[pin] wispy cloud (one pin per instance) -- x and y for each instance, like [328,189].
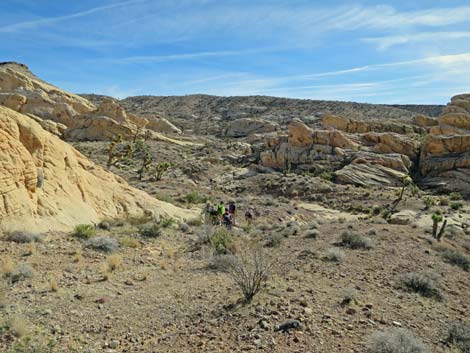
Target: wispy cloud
[185,56]
[51,20]
[386,42]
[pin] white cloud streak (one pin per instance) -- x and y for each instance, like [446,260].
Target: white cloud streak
[51,20]
[386,42]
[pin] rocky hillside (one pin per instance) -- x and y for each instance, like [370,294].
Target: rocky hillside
[186,110]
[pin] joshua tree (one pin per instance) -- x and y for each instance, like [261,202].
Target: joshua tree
[436,219]
[112,155]
[160,169]
[146,162]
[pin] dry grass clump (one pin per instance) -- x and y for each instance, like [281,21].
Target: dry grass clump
[53,284]
[395,341]
[114,262]
[18,326]
[7,266]
[150,230]
[129,242]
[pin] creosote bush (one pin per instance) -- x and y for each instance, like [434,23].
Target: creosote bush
[150,230]
[102,243]
[422,284]
[84,231]
[24,237]
[355,241]
[395,341]
[249,269]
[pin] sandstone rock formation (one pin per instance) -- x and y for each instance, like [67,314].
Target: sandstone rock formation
[162,125]
[46,184]
[247,126]
[445,154]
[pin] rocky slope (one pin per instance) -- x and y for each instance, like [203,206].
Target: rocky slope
[45,184]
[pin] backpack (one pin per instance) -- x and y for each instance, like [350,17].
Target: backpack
[231,208]
[227,219]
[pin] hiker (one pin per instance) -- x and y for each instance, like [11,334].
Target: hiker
[231,210]
[220,210]
[227,219]
[249,215]
[210,214]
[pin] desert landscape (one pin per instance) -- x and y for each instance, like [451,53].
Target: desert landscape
[358,238]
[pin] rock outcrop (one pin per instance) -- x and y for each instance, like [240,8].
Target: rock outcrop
[45,184]
[246,126]
[445,154]
[162,125]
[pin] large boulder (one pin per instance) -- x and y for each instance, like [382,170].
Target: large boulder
[388,142]
[162,125]
[99,128]
[45,184]
[445,153]
[368,175]
[112,109]
[246,126]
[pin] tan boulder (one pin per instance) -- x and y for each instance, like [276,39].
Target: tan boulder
[368,175]
[458,120]
[46,184]
[388,142]
[112,109]
[425,121]
[138,121]
[300,134]
[441,145]
[162,125]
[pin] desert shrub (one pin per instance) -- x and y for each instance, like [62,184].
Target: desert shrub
[114,262]
[194,197]
[456,258]
[203,237]
[139,220]
[21,272]
[274,240]
[102,243]
[221,241]
[311,234]
[24,237]
[166,222]
[104,225]
[455,196]
[129,242]
[355,241]
[456,205]
[54,285]
[249,269]
[335,255]
[395,341]
[422,284]
[195,222]
[329,176]
[165,198]
[150,231]
[84,231]
[376,210]
[459,335]
[443,201]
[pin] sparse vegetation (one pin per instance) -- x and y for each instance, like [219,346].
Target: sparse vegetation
[455,196]
[249,269]
[84,231]
[335,255]
[395,341]
[221,241]
[150,230]
[24,237]
[456,258]
[456,205]
[21,272]
[353,240]
[166,222]
[422,284]
[194,197]
[102,243]
[129,242]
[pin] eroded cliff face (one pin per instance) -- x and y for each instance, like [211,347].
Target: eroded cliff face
[374,153]
[45,184]
[445,153]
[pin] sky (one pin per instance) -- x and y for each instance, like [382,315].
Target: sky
[393,52]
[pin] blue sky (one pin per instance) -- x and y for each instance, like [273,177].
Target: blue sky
[367,51]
